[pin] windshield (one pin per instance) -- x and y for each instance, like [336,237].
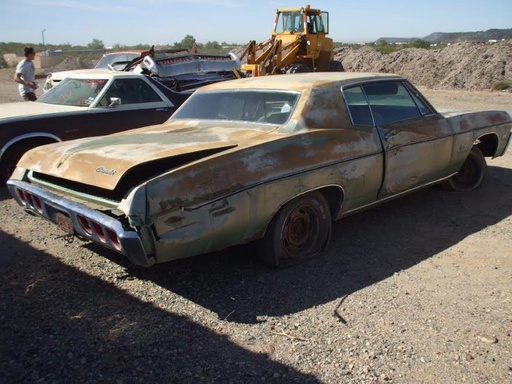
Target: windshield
[75,92]
[273,107]
[116,59]
[290,21]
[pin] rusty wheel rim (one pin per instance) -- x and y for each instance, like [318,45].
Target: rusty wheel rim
[300,231]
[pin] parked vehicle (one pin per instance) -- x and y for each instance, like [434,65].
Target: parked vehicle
[177,67]
[111,60]
[270,159]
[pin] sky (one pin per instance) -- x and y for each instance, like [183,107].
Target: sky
[160,22]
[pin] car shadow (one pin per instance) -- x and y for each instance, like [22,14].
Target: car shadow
[4,193]
[58,324]
[366,248]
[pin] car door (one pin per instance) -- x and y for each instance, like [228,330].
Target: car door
[140,105]
[417,141]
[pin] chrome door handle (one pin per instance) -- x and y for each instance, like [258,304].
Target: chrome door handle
[390,135]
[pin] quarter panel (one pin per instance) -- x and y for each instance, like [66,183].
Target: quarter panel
[231,198]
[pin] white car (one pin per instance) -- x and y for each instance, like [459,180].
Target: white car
[109,61]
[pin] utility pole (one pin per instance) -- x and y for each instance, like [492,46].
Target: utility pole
[44,47]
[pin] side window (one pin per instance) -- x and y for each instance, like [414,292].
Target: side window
[358,106]
[132,91]
[424,108]
[390,102]
[147,94]
[322,21]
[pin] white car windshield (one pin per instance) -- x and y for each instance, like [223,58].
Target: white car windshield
[273,107]
[74,92]
[116,59]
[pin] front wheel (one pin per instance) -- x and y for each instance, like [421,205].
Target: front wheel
[297,68]
[10,159]
[300,230]
[471,174]
[336,66]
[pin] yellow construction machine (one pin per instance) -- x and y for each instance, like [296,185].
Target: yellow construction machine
[299,43]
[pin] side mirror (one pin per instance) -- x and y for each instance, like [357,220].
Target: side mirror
[114,101]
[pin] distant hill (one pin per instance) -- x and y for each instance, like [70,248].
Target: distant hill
[394,40]
[455,37]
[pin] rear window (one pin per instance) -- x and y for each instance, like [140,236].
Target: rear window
[272,107]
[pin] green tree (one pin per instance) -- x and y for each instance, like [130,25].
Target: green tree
[187,42]
[119,47]
[212,46]
[420,44]
[96,44]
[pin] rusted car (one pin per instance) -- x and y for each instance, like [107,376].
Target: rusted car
[269,159]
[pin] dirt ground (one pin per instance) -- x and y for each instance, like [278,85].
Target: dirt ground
[415,291]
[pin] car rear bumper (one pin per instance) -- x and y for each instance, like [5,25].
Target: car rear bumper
[77,219]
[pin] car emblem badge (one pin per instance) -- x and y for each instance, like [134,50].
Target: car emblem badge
[106,171]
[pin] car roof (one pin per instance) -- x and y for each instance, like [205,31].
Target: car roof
[124,52]
[101,73]
[301,81]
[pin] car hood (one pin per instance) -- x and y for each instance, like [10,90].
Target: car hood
[103,161]
[26,111]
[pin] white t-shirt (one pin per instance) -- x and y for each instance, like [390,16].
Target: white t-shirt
[28,73]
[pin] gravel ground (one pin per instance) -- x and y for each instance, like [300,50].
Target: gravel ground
[415,291]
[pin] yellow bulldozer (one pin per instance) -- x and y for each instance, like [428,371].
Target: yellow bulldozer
[299,43]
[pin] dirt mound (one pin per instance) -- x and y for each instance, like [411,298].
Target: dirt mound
[467,65]
[72,63]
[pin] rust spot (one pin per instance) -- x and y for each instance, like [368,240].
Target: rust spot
[174,220]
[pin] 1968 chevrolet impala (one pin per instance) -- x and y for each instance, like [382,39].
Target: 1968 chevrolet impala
[275,159]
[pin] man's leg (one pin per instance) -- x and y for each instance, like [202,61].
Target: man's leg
[30,96]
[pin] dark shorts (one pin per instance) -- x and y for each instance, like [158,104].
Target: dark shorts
[30,96]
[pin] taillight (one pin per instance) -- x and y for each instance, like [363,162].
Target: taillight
[84,223]
[114,238]
[37,203]
[22,196]
[99,231]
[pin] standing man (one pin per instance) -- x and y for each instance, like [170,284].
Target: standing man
[26,75]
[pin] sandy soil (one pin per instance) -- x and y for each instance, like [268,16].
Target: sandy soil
[415,291]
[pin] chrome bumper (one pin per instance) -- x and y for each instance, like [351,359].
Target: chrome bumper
[77,219]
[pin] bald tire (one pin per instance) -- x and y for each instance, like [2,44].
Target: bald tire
[470,175]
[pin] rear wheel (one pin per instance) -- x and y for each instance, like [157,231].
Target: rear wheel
[300,230]
[471,174]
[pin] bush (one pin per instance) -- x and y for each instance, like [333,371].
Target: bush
[501,85]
